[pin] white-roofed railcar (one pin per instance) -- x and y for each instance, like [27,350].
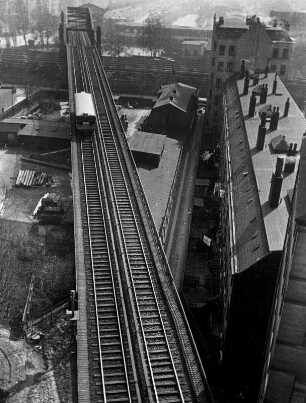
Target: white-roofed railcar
[85,114]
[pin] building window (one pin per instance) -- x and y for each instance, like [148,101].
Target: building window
[275,53]
[285,53]
[220,66]
[218,82]
[213,62]
[230,66]
[282,70]
[273,68]
[231,50]
[210,93]
[222,50]
[215,46]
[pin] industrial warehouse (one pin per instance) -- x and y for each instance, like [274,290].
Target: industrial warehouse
[151,204]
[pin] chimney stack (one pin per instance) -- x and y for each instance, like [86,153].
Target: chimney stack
[246,86]
[290,159]
[274,84]
[263,94]
[242,68]
[261,138]
[266,71]
[252,105]
[294,151]
[274,119]
[263,119]
[287,105]
[276,183]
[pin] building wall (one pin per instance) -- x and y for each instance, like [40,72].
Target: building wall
[254,46]
[249,314]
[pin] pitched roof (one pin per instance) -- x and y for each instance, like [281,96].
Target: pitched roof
[230,32]
[176,94]
[251,240]
[279,35]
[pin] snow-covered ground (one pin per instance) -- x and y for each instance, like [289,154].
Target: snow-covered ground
[19,40]
[189,20]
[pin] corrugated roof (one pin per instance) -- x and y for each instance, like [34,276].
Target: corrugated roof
[149,143]
[251,239]
[176,94]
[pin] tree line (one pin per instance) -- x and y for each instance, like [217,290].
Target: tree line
[15,20]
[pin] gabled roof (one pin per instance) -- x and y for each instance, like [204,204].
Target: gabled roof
[279,35]
[176,94]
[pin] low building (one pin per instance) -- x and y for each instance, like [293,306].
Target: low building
[147,148]
[38,133]
[174,110]
[193,49]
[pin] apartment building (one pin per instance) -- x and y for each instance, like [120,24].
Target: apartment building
[260,140]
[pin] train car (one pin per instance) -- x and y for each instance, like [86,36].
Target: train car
[85,114]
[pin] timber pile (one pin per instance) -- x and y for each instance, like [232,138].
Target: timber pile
[30,178]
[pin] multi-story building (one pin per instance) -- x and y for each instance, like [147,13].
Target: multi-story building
[254,47]
[284,376]
[260,138]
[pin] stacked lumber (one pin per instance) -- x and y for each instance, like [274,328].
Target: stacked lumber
[30,178]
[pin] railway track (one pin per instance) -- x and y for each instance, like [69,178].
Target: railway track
[137,354]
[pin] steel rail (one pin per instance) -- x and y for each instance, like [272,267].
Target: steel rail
[132,275]
[98,311]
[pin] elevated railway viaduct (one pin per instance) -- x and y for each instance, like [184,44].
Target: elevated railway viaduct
[134,343]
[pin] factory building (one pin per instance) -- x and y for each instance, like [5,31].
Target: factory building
[260,141]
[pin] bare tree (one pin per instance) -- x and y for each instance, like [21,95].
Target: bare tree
[21,20]
[45,22]
[151,37]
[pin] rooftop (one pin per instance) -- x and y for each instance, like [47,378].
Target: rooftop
[264,162]
[288,371]
[150,143]
[279,35]
[176,94]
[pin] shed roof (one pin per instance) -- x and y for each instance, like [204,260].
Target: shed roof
[33,128]
[177,95]
[149,143]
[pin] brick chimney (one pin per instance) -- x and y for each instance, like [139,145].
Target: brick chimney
[252,104]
